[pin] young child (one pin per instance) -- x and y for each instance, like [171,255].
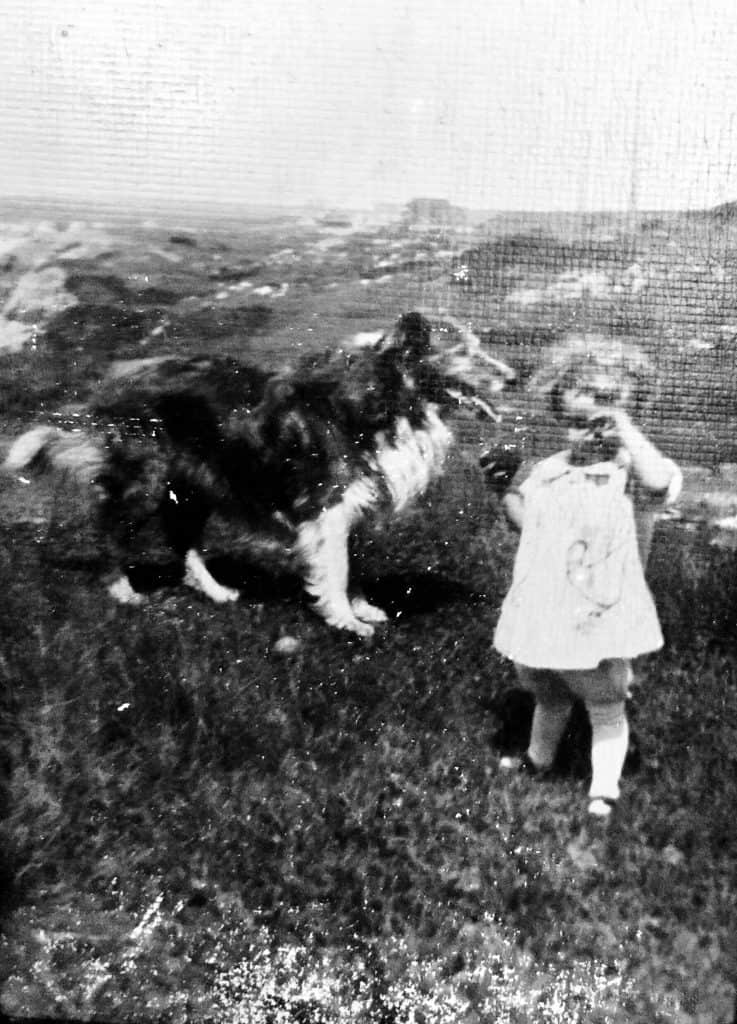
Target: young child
[579,608]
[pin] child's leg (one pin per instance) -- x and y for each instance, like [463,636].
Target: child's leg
[553,704]
[603,691]
[609,739]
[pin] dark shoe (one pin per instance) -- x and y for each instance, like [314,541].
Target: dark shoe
[499,466]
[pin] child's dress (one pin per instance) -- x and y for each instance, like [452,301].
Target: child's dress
[578,591]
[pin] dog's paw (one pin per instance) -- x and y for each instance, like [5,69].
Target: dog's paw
[198,576]
[122,592]
[350,623]
[215,591]
[367,612]
[360,628]
[221,595]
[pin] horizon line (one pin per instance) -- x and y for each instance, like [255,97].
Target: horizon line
[136,205]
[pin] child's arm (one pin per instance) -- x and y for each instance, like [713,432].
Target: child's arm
[513,505]
[654,471]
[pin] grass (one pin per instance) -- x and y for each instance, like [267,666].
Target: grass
[327,833]
[200,828]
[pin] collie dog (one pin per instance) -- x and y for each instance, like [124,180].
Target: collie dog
[296,458]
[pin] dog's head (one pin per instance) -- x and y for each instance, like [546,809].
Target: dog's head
[444,362]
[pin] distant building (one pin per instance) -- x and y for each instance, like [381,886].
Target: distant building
[427,212]
[335,219]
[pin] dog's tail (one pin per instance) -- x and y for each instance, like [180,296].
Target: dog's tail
[48,448]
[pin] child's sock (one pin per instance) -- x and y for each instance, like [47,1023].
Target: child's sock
[609,738]
[548,725]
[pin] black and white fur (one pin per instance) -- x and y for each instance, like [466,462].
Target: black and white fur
[297,459]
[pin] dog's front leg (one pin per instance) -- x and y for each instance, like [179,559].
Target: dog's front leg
[322,550]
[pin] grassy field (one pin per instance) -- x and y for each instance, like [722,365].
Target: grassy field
[200,828]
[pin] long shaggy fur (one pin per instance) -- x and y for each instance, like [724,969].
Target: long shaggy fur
[297,458]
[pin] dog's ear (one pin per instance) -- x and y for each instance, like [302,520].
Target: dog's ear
[277,391]
[410,336]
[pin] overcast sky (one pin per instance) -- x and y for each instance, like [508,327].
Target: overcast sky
[521,104]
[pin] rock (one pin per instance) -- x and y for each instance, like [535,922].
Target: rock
[40,293]
[14,334]
[287,646]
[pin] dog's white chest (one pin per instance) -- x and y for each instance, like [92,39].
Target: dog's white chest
[413,459]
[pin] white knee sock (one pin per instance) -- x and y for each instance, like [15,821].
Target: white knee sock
[548,725]
[609,739]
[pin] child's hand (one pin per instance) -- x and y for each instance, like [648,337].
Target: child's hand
[654,471]
[499,467]
[675,487]
[619,417]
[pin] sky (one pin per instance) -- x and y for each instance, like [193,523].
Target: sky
[521,104]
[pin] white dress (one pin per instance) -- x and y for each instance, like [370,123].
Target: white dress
[578,592]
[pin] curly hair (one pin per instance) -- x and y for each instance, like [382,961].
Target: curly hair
[615,369]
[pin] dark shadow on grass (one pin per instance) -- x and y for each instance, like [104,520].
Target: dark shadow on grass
[400,594]
[404,594]
[254,582]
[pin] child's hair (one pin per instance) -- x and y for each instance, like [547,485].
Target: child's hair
[614,369]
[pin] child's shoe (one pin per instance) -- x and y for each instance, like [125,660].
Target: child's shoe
[523,764]
[601,807]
